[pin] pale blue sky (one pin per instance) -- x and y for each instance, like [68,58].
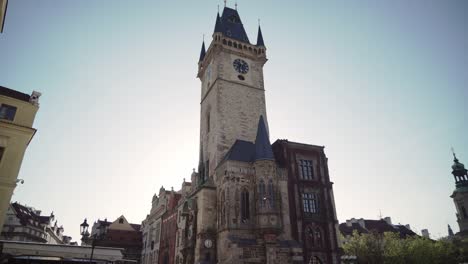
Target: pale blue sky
[382,84]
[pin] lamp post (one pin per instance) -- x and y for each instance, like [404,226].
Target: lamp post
[86,236]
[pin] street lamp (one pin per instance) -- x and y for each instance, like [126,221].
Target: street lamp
[86,236]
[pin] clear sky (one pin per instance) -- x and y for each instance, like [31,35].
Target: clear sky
[381,84]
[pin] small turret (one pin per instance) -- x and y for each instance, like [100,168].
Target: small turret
[218,28]
[202,52]
[459,173]
[260,42]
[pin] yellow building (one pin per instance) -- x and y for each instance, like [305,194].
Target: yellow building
[17,112]
[3,9]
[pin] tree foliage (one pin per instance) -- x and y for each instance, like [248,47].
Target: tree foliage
[389,248]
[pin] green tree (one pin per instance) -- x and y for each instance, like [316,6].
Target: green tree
[389,248]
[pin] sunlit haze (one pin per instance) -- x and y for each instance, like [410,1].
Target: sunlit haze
[381,84]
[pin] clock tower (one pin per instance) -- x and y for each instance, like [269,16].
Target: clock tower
[232,90]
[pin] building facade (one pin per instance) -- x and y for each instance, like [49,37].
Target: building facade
[151,227]
[247,203]
[3,9]
[460,195]
[117,234]
[17,113]
[380,226]
[311,201]
[26,224]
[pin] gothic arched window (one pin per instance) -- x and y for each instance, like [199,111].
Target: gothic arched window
[245,206]
[318,237]
[271,194]
[315,260]
[261,193]
[223,209]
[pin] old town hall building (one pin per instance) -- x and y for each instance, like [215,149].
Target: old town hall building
[250,201]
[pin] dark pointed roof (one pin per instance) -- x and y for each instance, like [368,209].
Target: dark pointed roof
[247,151]
[260,37]
[263,150]
[218,27]
[202,52]
[230,25]
[241,151]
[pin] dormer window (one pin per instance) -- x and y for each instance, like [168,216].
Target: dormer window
[121,221]
[234,19]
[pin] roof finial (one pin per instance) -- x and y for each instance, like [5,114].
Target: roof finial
[225,3]
[453,153]
[380,214]
[218,8]
[203,37]
[236,5]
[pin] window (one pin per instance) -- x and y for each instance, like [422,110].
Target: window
[261,193]
[315,260]
[208,125]
[245,206]
[207,170]
[121,221]
[2,151]
[223,210]
[310,203]
[306,170]
[271,194]
[7,112]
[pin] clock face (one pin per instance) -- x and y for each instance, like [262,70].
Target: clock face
[208,243]
[241,66]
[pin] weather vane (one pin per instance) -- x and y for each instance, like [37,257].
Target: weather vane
[453,153]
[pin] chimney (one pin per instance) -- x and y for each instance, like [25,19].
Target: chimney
[388,220]
[425,233]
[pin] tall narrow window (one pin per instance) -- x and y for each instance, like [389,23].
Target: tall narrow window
[271,194]
[2,150]
[306,170]
[245,206]
[7,112]
[207,170]
[222,206]
[310,203]
[318,237]
[261,193]
[208,124]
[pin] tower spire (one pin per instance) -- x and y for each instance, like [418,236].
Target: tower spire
[263,150]
[260,41]
[203,50]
